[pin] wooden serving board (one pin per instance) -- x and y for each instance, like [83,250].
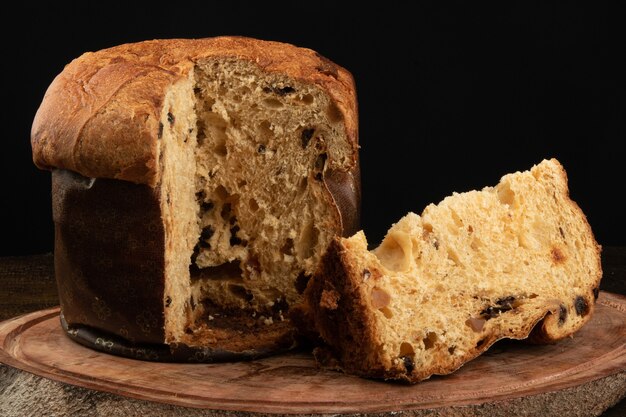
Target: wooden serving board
[579,376]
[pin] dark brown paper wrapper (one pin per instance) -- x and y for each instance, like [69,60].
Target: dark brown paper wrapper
[109,255]
[109,343]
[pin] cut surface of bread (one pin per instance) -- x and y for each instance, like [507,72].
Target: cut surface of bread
[509,261]
[244,194]
[250,148]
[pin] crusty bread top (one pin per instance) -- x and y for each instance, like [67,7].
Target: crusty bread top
[100,116]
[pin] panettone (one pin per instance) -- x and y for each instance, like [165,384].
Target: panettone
[196,184]
[510,261]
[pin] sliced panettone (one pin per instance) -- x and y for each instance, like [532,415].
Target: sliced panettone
[444,286]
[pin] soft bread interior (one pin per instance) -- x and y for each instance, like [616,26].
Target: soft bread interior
[477,267]
[246,210]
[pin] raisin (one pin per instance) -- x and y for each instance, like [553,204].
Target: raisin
[301,282]
[581,306]
[261,149]
[194,255]
[170,118]
[280,91]
[234,240]
[160,134]
[207,233]
[503,305]
[505,300]
[226,208]
[596,292]
[492,311]
[488,313]
[168,301]
[409,365]
[284,91]
[306,136]
[287,247]
[562,314]
[495,311]
[207,205]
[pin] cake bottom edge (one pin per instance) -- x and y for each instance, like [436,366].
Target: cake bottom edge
[106,342]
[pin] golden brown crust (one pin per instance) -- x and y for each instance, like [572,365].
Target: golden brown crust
[100,116]
[348,329]
[545,330]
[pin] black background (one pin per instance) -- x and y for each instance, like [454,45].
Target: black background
[451,97]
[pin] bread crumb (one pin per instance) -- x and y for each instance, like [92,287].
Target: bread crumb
[329,299]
